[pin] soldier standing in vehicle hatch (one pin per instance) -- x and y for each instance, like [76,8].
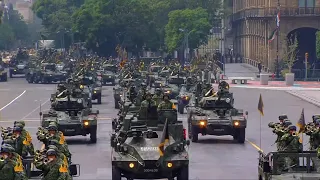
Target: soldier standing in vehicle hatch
[157,97]
[166,103]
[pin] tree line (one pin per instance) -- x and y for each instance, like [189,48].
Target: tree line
[157,25]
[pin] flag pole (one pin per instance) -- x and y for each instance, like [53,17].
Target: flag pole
[260,131]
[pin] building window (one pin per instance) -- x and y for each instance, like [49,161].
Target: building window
[306,3]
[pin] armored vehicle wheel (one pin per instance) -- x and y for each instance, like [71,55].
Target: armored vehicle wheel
[194,135]
[181,109]
[183,174]
[99,99]
[240,135]
[116,174]
[116,105]
[93,134]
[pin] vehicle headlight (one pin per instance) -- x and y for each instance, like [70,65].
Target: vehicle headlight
[94,92]
[203,123]
[86,123]
[131,165]
[79,101]
[236,123]
[90,78]
[228,100]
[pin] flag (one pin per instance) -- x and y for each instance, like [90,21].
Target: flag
[164,138]
[273,35]
[301,122]
[260,106]
[278,19]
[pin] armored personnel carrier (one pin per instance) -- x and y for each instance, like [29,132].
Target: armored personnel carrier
[150,148]
[216,115]
[288,165]
[3,74]
[109,74]
[72,115]
[94,87]
[46,73]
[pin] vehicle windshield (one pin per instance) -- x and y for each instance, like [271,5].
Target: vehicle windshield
[50,67]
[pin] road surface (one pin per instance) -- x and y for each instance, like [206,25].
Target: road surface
[211,158]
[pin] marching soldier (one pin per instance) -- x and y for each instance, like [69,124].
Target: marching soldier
[26,135]
[55,134]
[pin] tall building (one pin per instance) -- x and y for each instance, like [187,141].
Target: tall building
[254,21]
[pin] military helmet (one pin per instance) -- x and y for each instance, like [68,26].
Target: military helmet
[292,128]
[223,85]
[22,123]
[315,117]
[52,127]
[287,123]
[158,89]
[7,148]
[51,152]
[317,122]
[17,128]
[283,117]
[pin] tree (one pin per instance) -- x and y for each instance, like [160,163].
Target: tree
[6,36]
[318,44]
[194,23]
[290,51]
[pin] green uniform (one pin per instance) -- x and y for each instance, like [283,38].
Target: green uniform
[290,143]
[54,170]
[165,105]
[21,145]
[157,98]
[29,146]
[314,139]
[10,170]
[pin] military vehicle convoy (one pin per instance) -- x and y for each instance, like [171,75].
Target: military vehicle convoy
[109,74]
[72,115]
[150,147]
[94,87]
[45,74]
[215,115]
[3,74]
[17,69]
[288,165]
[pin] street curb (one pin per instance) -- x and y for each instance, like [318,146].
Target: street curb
[304,98]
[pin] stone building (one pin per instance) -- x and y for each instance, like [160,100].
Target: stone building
[254,21]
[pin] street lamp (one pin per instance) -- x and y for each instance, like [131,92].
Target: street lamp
[186,41]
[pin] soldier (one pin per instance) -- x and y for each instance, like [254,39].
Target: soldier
[25,134]
[280,130]
[166,103]
[63,148]
[314,133]
[55,134]
[11,167]
[21,142]
[55,168]
[157,97]
[290,142]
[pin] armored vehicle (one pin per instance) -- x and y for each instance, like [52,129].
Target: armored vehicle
[109,74]
[47,73]
[117,93]
[3,74]
[72,116]
[288,165]
[94,87]
[150,148]
[17,68]
[215,115]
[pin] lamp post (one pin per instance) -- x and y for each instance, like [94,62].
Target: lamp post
[186,41]
[278,36]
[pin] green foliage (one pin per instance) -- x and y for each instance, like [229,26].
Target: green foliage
[6,36]
[318,44]
[193,23]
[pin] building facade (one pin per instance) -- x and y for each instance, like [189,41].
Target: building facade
[24,8]
[254,21]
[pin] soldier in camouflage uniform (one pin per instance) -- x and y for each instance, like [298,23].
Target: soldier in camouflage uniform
[157,97]
[280,128]
[55,168]
[21,142]
[290,142]
[166,103]
[55,134]
[11,167]
[26,135]
[61,148]
[314,132]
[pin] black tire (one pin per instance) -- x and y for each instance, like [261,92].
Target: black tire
[99,99]
[180,109]
[116,105]
[194,135]
[240,135]
[183,174]
[93,135]
[116,174]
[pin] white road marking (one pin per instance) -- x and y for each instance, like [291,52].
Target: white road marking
[13,100]
[35,109]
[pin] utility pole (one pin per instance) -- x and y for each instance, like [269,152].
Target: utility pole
[278,36]
[306,66]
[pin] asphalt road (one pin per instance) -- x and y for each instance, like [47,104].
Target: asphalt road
[211,158]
